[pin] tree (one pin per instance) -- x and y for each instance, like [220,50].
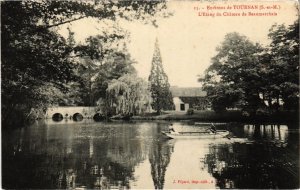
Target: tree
[251,77]
[281,60]
[30,61]
[35,55]
[95,60]
[129,94]
[115,65]
[233,79]
[94,74]
[159,85]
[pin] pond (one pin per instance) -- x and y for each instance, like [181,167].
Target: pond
[122,155]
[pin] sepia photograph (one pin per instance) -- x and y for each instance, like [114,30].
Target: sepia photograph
[150,94]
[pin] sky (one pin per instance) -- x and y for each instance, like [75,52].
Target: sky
[188,41]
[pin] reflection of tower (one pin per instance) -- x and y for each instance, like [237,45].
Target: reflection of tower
[159,158]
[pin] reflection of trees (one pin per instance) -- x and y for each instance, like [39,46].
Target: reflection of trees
[159,158]
[113,158]
[274,133]
[53,157]
[125,148]
[252,166]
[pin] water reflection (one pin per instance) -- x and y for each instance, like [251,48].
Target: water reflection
[72,156]
[159,158]
[267,167]
[269,132]
[118,155]
[267,162]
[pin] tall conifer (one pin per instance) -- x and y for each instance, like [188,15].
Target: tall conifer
[159,85]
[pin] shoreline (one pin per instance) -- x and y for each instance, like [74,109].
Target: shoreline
[228,116]
[208,116]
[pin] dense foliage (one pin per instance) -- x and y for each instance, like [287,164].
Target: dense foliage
[38,64]
[281,64]
[255,79]
[95,74]
[129,95]
[159,85]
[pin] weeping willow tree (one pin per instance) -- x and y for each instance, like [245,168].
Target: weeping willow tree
[129,95]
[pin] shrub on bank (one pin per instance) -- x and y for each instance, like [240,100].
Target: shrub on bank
[190,111]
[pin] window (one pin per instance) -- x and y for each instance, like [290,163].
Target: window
[182,108]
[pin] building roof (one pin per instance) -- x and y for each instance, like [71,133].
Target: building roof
[187,91]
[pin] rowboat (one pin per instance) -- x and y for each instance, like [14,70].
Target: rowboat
[196,135]
[202,123]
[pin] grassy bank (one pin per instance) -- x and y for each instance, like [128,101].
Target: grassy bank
[227,116]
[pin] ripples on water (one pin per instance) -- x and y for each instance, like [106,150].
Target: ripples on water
[90,155]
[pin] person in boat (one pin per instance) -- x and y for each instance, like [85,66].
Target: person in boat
[213,128]
[171,129]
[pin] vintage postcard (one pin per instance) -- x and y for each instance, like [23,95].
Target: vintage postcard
[140,94]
